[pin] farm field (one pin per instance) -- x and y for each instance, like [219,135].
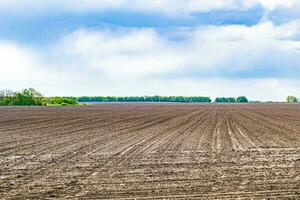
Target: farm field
[163,151]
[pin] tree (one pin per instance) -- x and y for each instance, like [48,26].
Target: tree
[62,100]
[182,99]
[223,100]
[231,100]
[6,97]
[25,97]
[242,99]
[220,100]
[28,97]
[6,93]
[291,99]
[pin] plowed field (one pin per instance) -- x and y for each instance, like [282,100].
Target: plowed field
[163,151]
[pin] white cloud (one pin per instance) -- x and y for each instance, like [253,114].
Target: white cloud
[23,67]
[273,4]
[128,53]
[16,62]
[144,52]
[137,61]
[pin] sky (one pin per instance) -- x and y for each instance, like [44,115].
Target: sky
[152,47]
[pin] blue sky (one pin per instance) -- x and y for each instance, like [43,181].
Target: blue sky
[164,47]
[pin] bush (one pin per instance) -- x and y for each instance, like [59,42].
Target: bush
[242,99]
[183,99]
[62,101]
[26,97]
[291,99]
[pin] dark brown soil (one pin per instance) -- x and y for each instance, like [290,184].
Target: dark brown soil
[162,151]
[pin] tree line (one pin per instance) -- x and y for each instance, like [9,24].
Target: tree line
[241,99]
[30,96]
[181,99]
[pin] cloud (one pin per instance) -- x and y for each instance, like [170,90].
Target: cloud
[123,53]
[262,50]
[16,62]
[207,60]
[273,4]
[24,67]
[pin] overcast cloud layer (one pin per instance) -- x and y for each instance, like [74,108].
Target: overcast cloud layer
[120,47]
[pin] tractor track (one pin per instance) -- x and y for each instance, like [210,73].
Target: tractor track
[150,151]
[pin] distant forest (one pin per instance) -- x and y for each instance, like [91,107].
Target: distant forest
[28,97]
[182,99]
[241,99]
[179,99]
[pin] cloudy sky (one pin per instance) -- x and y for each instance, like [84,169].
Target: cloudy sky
[148,47]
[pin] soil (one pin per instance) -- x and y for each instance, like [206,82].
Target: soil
[150,151]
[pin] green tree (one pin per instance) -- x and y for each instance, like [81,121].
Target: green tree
[6,97]
[156,98]
[62,100]
[242,99]
[25,97]
[222,100]
[291,99]
[231,100]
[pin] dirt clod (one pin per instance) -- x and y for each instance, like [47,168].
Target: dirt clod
[163,151]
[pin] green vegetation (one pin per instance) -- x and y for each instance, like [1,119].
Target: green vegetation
[241,99]
[225,100]
[26,97]
[182,99]
[60,101]
[291,99]
[31,97]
